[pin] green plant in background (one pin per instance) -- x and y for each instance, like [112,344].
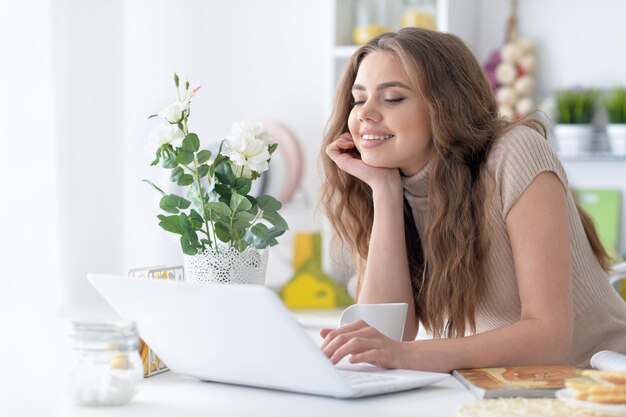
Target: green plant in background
[615,104]
[576,106]
[217,207]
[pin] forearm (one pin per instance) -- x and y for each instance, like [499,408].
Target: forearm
[527,342]
[386,278]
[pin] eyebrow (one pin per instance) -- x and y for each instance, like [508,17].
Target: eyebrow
[382,86]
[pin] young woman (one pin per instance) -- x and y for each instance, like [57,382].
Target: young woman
[465,217]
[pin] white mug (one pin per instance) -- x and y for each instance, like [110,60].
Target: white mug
[387,318]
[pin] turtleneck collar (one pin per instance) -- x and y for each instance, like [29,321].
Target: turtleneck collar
[417,184]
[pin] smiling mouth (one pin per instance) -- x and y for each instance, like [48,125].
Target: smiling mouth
[376,137]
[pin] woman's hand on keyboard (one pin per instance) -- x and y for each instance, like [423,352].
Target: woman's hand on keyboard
[365,344]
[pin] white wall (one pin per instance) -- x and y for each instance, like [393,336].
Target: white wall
[29,235]
[578,42]
[254,60]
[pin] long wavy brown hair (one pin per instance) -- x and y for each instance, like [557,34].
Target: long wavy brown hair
[447,272]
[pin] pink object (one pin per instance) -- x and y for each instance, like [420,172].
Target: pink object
[290,149]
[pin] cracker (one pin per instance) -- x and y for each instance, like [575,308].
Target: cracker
[610,376]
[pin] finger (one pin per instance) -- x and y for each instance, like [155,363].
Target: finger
[339,147]
[324,332]
[354,346]
[331,334]
[372,356]
[336,341]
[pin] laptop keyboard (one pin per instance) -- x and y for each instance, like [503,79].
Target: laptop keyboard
[360,378]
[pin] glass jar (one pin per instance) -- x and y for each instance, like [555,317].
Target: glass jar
[107,366]
[370,20]
[420,13]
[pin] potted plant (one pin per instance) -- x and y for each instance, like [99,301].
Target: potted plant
[224,231]
[576,109]
[615,104]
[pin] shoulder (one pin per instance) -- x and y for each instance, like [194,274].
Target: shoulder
[516,158]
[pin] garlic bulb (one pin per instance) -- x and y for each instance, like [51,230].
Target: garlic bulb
[505,73]
[506,96]
[514,81]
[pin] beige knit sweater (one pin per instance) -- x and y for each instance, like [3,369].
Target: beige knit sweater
[599,313]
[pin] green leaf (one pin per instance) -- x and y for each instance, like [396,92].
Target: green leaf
[276,220]
[187,246]
[203,170]
[154,186]
[170,161]
[272,148]
[195,219]
[252,201]
[171,203]
[275,232]
[191,143]
[184,180]
[152,115]
[268,203]
[203,156]
[260,230]
[224,174]
[188,230]
[170,224]
[219,208]
[176,80]
[239,203]
[184,157]
[245,216]
[243,185]
[222,231]
[176,173]
[242,245]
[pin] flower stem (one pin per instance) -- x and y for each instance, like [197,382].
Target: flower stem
[204,208]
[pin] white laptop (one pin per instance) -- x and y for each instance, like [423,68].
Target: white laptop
[241,334]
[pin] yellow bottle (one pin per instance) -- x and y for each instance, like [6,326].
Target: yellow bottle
[370,20]
[419,13]
[310,286]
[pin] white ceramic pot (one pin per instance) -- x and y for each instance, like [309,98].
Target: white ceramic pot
[617,138]
[227,266]
[574,139]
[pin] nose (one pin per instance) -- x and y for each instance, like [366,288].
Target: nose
[368,111]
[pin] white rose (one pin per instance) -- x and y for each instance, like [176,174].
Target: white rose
[166,133]
[174,113]
[247,146]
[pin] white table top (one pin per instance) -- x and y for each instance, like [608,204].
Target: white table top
[35,363]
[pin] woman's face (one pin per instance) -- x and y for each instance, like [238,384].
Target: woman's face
[389,122]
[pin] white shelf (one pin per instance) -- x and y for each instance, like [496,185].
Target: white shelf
[593,157]
[454,16]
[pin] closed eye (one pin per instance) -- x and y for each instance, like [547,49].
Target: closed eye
[394,100]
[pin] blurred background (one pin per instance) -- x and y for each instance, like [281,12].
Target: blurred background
[78,79]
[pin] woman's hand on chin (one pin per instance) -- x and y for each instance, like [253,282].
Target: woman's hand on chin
[344,153]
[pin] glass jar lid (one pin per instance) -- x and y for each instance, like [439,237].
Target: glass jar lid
[105,335]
